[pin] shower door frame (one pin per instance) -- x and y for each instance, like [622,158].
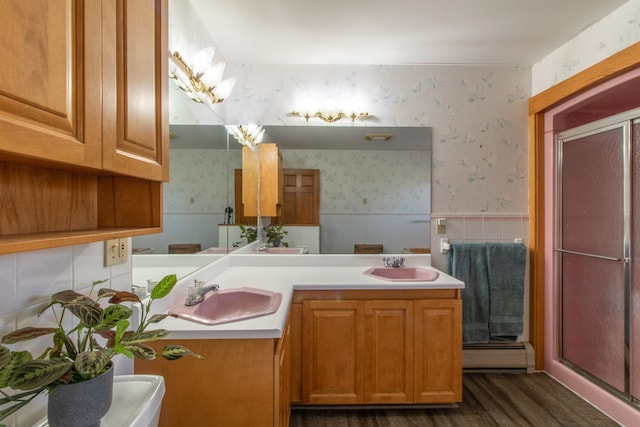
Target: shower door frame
[625,121]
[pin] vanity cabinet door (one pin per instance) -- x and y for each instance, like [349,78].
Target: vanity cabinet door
[282,380]
[333,351]
[50,81]
[437,351]
[389,351]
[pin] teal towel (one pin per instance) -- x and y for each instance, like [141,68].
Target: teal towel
[468,263]
[506,268]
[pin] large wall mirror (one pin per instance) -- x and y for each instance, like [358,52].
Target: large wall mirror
[374,187]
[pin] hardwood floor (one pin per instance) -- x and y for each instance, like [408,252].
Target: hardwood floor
[489,399]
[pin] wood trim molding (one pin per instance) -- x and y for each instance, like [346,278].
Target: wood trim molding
[615,65]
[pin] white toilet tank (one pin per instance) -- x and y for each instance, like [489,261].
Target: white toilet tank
[137,400]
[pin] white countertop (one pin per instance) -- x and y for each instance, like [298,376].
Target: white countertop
[285,274]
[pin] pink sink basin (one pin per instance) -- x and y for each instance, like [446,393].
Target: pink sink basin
[281,250]
[229,305]
[402,274]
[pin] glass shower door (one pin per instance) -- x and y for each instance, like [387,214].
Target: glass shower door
[591,252]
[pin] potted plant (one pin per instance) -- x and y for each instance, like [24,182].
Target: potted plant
[276,234]
[250,233]
[82,353]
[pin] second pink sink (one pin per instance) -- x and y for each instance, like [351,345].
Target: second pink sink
[403,274]
[230,305]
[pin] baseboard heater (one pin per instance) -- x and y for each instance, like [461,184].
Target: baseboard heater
[498,356]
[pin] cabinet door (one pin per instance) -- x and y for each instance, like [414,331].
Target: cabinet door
[333,349]
[135,82]
[437,351]
[50,90]
[295,347]
[389,352]
[282,380]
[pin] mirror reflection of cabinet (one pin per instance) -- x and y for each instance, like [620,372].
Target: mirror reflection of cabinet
[262,169]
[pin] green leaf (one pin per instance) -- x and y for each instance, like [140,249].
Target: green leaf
[89,315]
[25,334]
[164,286]
[5,356]
[113,314]
[145,336]
[89,364]
[38,373]
[156,318]
[17,358]
[175,352]
[121,330]
[141,351]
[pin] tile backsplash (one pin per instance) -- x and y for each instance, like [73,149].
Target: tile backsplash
[28,279]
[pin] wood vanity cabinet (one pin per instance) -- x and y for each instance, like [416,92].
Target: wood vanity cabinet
[378,347]
[264,166]
[240,382]
[83,121]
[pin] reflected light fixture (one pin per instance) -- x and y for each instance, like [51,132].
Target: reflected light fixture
[331,117]
[250,135]
[201,80]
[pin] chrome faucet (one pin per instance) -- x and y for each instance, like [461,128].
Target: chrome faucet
[196,293]
[265,247]
[393,261]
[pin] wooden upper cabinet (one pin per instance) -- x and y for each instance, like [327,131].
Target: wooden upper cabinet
[82,84]
[135,135]
[50,81]
[262,168]
[83,121]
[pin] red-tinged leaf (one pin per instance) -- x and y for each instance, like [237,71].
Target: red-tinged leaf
[124,296]
[106,292]
[25,334]
[71,297]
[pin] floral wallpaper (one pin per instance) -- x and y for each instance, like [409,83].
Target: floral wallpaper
[198,180]
[368,181]
[614,32]
[478,115]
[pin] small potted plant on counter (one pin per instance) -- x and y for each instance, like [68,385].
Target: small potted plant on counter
[250,233]
[79,359]
[276,234]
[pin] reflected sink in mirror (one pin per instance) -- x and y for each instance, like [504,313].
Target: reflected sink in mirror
[284,250]
[229,305]
[402,274]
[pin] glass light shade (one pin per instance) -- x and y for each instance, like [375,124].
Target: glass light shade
[223,90]
[202,61]
[213,75]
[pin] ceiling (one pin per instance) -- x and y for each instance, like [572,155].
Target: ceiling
[516,32]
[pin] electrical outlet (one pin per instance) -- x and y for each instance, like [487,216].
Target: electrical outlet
[115,251]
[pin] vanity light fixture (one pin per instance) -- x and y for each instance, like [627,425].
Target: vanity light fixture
[201,80]
[378,136]
[250,135]
[331,117]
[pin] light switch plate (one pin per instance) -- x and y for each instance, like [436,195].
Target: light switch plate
[115,251]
